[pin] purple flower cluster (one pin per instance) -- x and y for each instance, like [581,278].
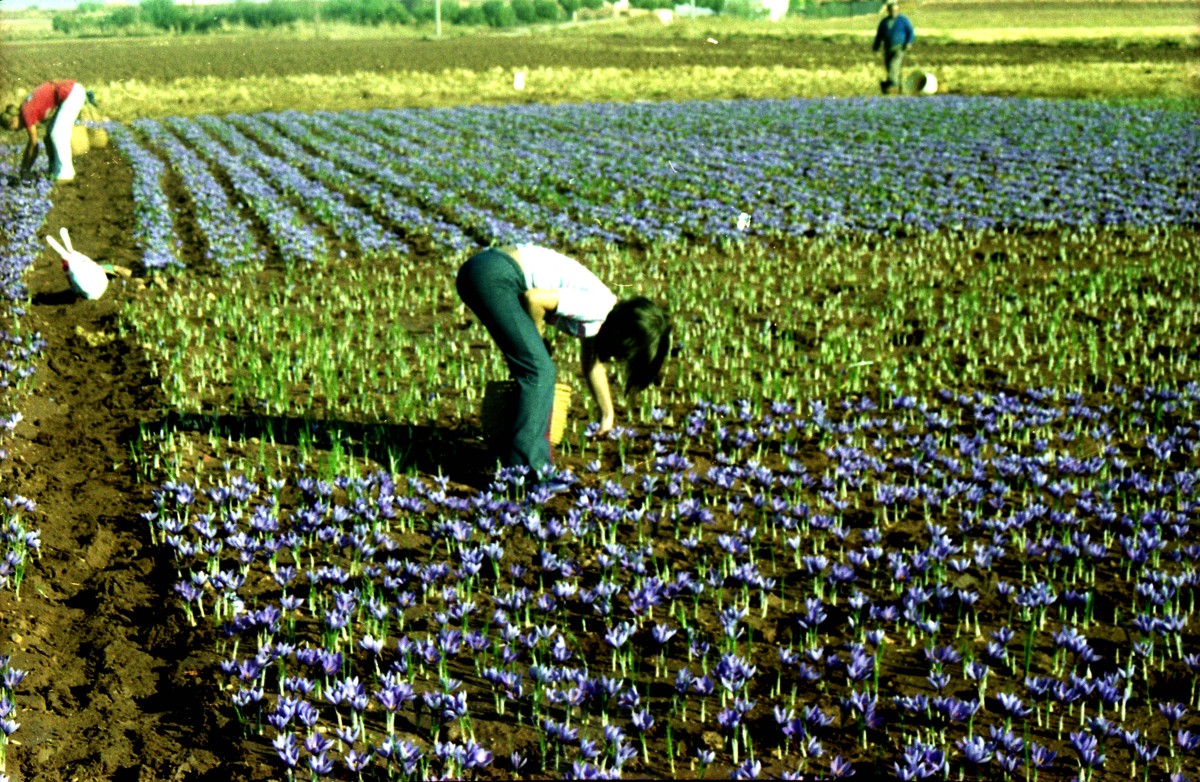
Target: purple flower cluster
[230,238]
[23,210]
[672,173]
[455,188]
[329,206]
[663,173]
[17,539]
[10,679]
[395,195]
[297,241]
[354,609]
[154,225]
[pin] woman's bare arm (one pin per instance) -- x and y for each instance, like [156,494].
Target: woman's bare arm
[31,146]
[597,379]
[537,302]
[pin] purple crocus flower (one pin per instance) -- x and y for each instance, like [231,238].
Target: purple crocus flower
[476,756]
[662,633]
[840,769]
[289,752]
[321,764]
[583,770]
[1012,705]
[1040,757]
[976,750]
[1087,747]
[356,762]
[1005,739]
[642,720]
[1187,740]
[1173,712]
[588,749]
[938,680]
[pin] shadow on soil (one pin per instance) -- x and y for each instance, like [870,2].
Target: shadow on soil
[458,455]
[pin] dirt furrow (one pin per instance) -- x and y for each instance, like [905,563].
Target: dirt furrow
[111,690]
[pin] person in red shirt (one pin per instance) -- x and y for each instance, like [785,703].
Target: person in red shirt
[63,100]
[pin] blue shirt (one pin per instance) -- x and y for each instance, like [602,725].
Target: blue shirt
[893,33]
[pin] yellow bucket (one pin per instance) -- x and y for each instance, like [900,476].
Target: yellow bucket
[499,400]
[97,137]
[80,144]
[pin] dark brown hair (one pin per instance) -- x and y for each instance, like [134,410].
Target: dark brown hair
[636,332]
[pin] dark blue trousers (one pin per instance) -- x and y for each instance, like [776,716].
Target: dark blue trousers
[491,284]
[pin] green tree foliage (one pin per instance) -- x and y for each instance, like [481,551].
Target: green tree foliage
[120,18]
[524,11]
[469,15]
[92,17]
[546,10]
[63,23]
[498,13]
[366,12]
[163,14]
[426,10]
[277,13]
[832,8]
[744,9]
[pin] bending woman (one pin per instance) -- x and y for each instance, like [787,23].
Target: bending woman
[516,291]
[65,99]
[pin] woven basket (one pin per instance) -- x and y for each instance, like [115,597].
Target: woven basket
[97,137]
[79,141]
[499,401]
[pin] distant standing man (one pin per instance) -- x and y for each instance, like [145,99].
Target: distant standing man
[65,99]
[894,36]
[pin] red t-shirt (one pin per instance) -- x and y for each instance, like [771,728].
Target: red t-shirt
[43,100]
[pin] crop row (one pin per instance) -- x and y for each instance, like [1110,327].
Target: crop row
[23,211]
[966,584]
[670,173]
[981,305]
[930,584]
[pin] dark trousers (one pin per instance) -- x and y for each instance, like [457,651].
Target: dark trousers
[491,284]
[892,58]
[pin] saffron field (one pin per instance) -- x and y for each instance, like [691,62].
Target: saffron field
[917,498]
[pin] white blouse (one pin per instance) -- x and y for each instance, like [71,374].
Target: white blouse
[583,300]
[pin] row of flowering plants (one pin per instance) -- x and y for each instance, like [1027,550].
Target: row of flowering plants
[995,580]
[665,174]
[659,173]
[967,585]
[229,237]
[947,305]
[23,210]
[154,225]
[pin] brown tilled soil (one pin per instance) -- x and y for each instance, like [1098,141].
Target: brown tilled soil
[112,690]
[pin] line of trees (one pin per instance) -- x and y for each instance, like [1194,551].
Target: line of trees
[91,17]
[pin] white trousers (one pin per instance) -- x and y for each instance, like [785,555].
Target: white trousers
[58,143]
